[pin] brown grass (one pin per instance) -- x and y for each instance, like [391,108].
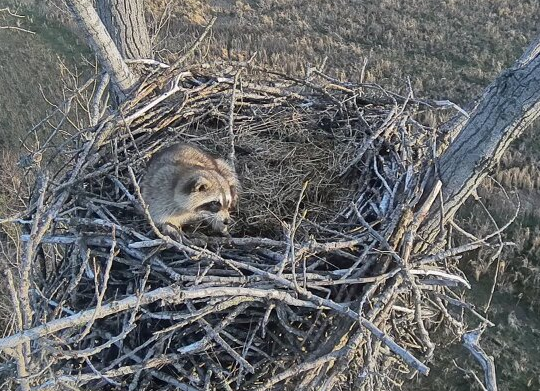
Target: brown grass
[32,65]
[448,49]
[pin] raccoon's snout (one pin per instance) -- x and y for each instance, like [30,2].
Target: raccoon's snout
[221,225]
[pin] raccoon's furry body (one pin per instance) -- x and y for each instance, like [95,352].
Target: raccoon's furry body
[184,184]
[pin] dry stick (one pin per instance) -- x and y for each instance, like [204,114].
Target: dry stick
[304,82]
[361,258]
[384,305]
[177,295]
[95,109]
[292,232]
[441,256]
[18,353]
[171,294]
[230,128]
[213,334]
[417,296]
[416,291]
[470,372]
[343,362]
[461,304]
[471,342]
[147,61]
[172,381]
[59,109]
[394,113]
[101,295]
[26,269]
[377,236]
[468,235]
[203,343]
[406,356]
[498,233]
[69,178]
[123,371]
[131,324]
[190,51]
[443,275]
[305,366]
[28,256]
[493,257]
[98,373]
[245,241]
[175,87]
[417,220]
[403,353]
[97,349]
[459,326]
[224,380]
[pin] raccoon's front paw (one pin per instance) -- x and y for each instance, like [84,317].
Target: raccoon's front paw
[173,232]
[221,227]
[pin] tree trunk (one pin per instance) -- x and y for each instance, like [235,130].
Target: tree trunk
[125,22]
[97,37]
[508,106]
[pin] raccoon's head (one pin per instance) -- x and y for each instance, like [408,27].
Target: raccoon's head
[207,196]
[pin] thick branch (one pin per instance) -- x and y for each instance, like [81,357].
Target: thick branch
[170,294]
[508,106]
[108,54]
[127,27]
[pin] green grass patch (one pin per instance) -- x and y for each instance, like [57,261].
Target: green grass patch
[31,71]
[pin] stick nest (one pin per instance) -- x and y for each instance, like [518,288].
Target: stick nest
[325,283]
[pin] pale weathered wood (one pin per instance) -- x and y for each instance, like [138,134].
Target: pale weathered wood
[125,22]
[508,106]
[105,49]
[171,294]
[471,341]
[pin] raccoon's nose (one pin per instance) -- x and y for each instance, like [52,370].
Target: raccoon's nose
[226,221]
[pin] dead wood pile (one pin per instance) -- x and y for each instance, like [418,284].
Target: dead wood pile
[325,283]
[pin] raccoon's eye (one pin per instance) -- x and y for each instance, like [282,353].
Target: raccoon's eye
[212,206]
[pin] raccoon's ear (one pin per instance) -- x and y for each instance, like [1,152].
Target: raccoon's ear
[197,184]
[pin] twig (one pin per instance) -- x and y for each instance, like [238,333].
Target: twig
[21,352]
[95,109]
[170,294]
[195,45]
[230,127]
[471,342]
[101,295]
[172,381]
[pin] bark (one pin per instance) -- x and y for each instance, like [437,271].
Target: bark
[125,22]
[508,106]
[109,56]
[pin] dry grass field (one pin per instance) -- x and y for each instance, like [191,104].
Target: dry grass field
[448,50]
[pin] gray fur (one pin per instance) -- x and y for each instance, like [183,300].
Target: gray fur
[181,179]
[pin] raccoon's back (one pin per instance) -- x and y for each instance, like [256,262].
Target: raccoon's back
[182,155]
[158,191]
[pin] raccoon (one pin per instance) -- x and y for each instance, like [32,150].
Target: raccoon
[184,184]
